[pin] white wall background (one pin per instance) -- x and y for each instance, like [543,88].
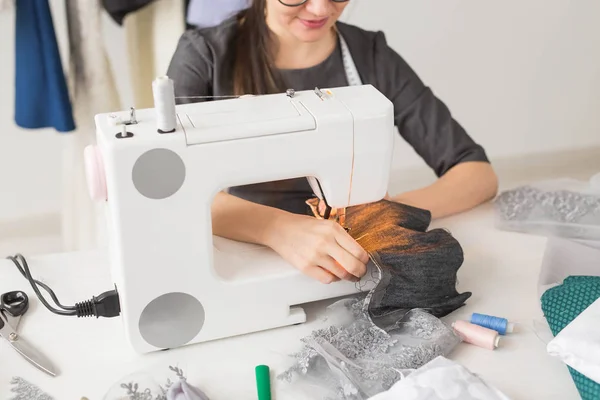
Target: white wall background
[25,156]
[522,77]
[31,160]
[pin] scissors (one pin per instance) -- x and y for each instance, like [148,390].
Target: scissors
[13,305]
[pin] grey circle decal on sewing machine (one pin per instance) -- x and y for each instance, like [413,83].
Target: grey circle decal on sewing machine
[158,173]
[171,320]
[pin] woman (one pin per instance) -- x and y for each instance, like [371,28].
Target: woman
[280,44]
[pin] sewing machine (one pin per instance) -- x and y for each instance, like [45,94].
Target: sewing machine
[178,283]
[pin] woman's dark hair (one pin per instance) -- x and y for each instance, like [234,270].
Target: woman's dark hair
[253,71]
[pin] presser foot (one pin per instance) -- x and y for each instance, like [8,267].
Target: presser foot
[321,210]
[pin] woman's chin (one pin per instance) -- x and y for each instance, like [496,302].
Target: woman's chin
[311,35]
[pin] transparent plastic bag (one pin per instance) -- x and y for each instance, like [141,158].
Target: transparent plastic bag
[145,386]
[567,257]
[355,359]
[561,207]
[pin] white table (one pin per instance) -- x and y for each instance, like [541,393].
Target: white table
[500,268]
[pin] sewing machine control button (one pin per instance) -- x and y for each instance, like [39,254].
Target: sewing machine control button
[95,175]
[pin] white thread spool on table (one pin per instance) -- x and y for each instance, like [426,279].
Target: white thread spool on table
[164,104]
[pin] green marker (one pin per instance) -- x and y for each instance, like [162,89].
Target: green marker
[263,382]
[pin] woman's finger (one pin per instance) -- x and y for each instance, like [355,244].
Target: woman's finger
[347,242]
[321,207]
[328,263]
[320,274]
[350,263]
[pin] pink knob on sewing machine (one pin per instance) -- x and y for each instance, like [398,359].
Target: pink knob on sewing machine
[94,169]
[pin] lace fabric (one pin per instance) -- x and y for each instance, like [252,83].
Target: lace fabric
[374,339]
[137,386]
[355,358]
[25,390]
[141,386]
[564,208]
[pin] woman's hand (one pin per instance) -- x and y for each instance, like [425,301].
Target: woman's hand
[321,249]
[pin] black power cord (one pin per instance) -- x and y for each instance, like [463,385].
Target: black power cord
[105,305]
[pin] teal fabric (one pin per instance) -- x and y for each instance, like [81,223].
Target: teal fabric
[561,305]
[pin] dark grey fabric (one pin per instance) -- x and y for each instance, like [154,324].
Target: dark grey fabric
[203,63]
[419,267]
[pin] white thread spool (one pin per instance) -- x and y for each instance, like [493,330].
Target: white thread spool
[164,104]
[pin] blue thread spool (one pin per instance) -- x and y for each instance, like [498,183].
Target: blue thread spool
[500,325]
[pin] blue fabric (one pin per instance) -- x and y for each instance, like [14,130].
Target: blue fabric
[41,94]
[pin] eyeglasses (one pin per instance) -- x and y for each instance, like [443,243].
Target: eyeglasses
[296,3]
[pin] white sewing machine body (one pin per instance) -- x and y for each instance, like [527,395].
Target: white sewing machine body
[177,283]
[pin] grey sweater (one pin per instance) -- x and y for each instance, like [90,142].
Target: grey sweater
[202,65]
